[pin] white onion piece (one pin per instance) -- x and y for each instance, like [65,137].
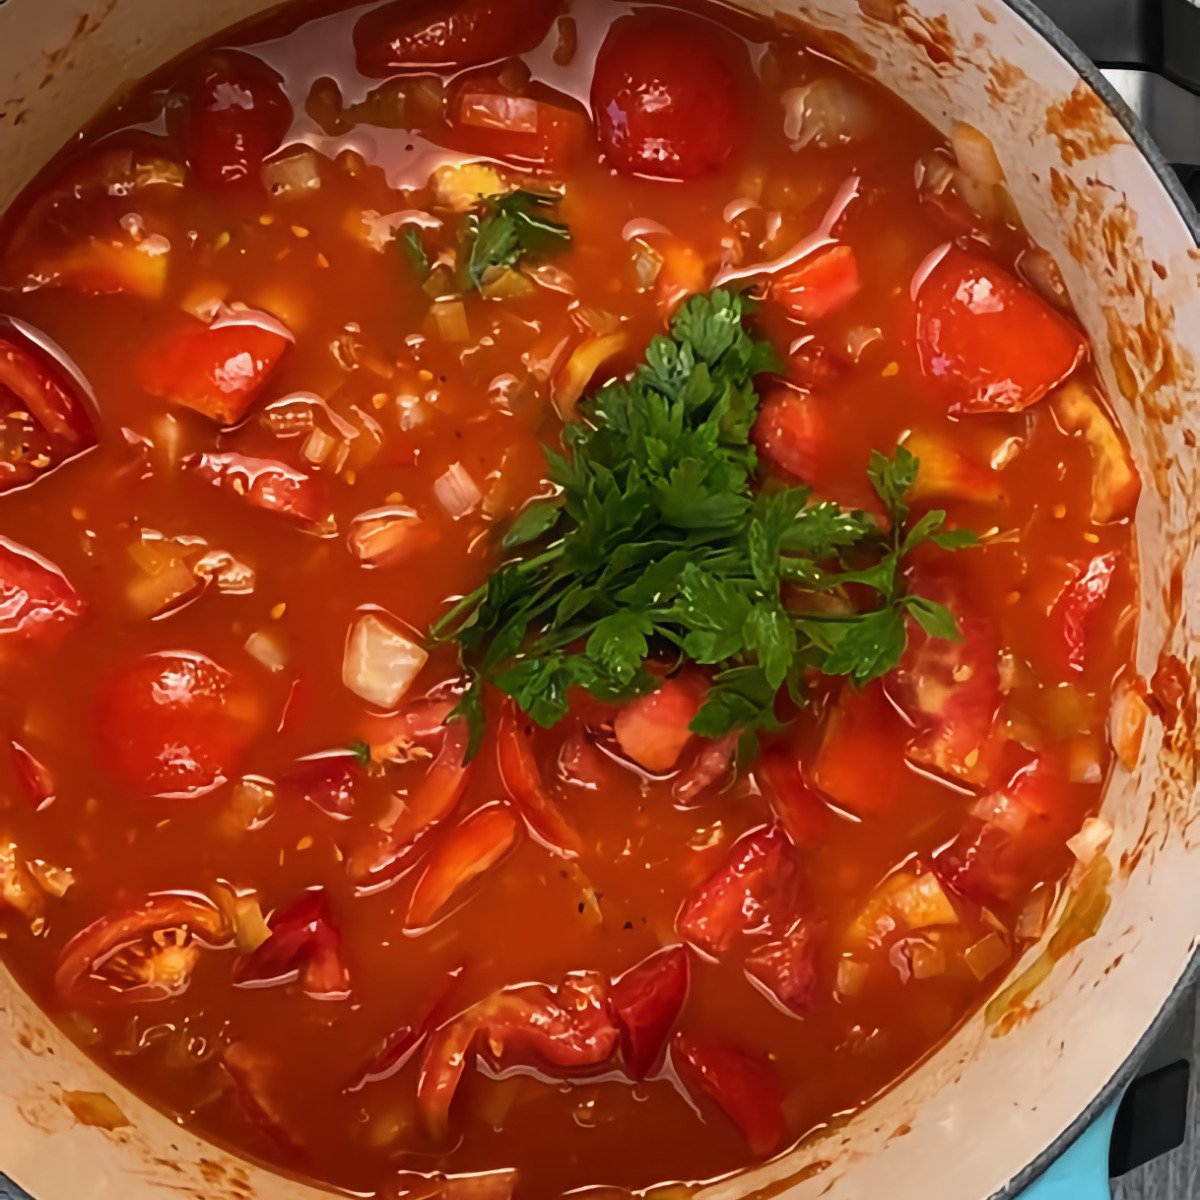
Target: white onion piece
[450,320]
[457,492]
[1091,841]
[293,176]
[232,577]
[976,154]
[381,660]
[265,647]
[825,113]
[383,535]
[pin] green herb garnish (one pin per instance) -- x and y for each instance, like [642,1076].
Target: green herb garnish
[660,543]
[361,751]
[510,227]
[415,252]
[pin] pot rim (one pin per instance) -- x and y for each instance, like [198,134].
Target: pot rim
[1184,988]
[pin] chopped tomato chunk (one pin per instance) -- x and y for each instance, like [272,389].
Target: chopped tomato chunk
[305,945]
[713,765]
[669,96]
[457,33]
[819,285]
[474,847]
[990,343]
[173,725]
[798,809]
[1074,612]
[266,484]
[752,890]
[330,781]
[569,1027]
[218,369]
[523,782]
[792,434]
[539,128]
[744,1087]
[646,1002]
[948,474]
[903,902]
[146,951]
[655,730]
[238,114]
[44,418]
[37,603]
[1115,481]
[787,967]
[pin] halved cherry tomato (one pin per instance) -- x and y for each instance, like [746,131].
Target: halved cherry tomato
[238,114]
[819,285]
[475,846]
[523,782]
[1074,612]
[330,781]
[787,967]
[264,483]
[251,1069]
[569,1026]
[746,1088]
[146,951]
[655,730]
[34,777]
[448,33]
[752,890]
[990,343]
[539,127]
[219,369]
[792,434]
[669,96]
[44,418]
[951,692]
[305,944]
[799,809]
[173,725]
[646,1002]
[712,765]
[37,603]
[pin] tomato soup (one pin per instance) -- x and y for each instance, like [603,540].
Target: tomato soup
[563,573]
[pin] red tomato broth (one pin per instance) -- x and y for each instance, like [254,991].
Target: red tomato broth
[532,916]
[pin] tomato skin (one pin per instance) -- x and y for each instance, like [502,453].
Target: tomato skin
[469,850]
[330,781]
[787,968]
[522,781]
[744,1087]
[751,890]
[460,33]
[570,1026]
[96,943]
[264,483]
[542,128]
[851,768]
[646,1002]
[37,603]
[172,725]
[238,115]
[655,730]
[669,96]
[305,944]
[219,369]
[1073,613]
[792,435]
[818,285]
[987,341]
[798,809]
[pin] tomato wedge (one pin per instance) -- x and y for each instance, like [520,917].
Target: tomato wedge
[44,417]
[1074,612]
[37,603]
[305,945]
[523,782]
[469,850]
[746,1088]
[569,1027]
[646,1002]
[819,285]
[787,968]
[448,33]
[218,369]
[264,483]
[146,951]
[987,341]
[751,891]
[330,781]
[655,730]
[538,127]
[173,725]
[238,114]
[798,809]
[792,434]
[669,96]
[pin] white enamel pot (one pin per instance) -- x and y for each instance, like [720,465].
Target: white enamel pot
[988,1114]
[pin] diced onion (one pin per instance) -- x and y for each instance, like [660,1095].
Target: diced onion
[934,174]
[927,960]
[251,802]
[495,110]
[204,299]
[552,278]
[1127,723]
[1084,759]
[266,648]
[922,903]
[457,492]
[504,283]
[245,917]
[596,320]
[381,661]
[54,881]
[1035,916]
[851,976]
[232,577]
[95,1109]
[296,175]
[859,338]
[999,809]
[976,154]
[986,956]
[826,113]
[581,368]
[647,263]
[321,449]
[149,595]
[1091,841]
[450,320]
[1042,273]
[383,535]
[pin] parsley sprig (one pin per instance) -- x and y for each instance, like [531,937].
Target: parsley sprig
[659,543]
[510,227]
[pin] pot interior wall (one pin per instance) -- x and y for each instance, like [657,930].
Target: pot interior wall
[984,1106]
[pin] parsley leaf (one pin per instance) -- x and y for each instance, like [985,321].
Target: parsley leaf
[415,252]
[361,751]
[510,227]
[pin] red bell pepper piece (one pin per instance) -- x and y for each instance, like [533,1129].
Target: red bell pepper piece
[646,1002]
[787,968]
[655,730]
[797,808]
[523,782]
[1073,614]
[818,285]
